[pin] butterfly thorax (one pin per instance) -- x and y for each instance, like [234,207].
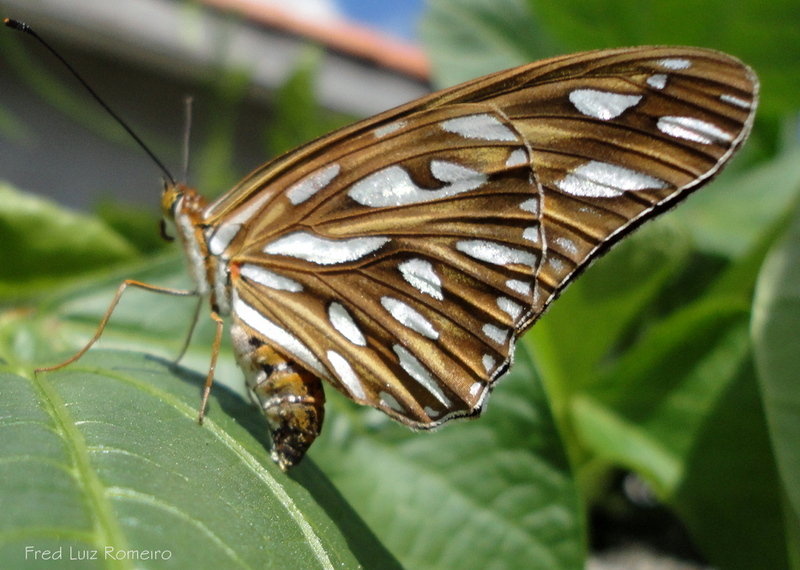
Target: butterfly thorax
[184,209]
[291,398]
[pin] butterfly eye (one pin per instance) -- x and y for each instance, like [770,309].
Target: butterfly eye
[170,196]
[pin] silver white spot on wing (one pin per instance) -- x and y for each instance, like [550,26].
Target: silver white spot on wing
[488,365]
[514,310]
[517,157]
[603,105]
[222,236]
[675,63]
[567,245]
[495,333]
[393,186]
[270,279]
[537,294]
[603,180]
[409,317]
[418,372]
[657,81]
[381,132]
[390,402]
[346,374]
[484,127]
[420,274]
[693,130]
[476,387]
[734,101]
[266,328]
[531,234]
[310,185]
[556,264]
[452,173]
[431,412]
[306,246]
[521,287]
[496,253]
[343,322]
[531,205]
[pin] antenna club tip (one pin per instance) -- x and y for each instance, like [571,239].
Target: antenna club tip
[15,24]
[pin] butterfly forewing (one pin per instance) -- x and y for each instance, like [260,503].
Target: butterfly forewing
[400,258]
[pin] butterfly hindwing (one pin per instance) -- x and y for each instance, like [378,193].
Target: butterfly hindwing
[400,258]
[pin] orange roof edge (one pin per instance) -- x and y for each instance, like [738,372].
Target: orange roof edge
[342,36]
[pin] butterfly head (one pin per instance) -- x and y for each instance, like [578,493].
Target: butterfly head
[170,198]
[177,199]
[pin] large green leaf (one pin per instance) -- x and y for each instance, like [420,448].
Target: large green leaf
[44,244]
[506,474]
[647,410]
[776,336]
[730,495]
[730,216]
[496,492]
[107,453]
[574,338]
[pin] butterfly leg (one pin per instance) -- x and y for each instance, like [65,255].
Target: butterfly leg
[220,325]
[291,398]
[192,327]
[125,284]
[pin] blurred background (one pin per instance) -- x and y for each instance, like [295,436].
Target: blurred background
[144,56]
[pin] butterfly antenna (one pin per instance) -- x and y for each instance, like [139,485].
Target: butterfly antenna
[19,26]
[187,133]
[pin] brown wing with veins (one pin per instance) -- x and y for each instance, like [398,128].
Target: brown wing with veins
[424,241]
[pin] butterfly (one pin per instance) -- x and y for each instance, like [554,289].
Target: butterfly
[400,258]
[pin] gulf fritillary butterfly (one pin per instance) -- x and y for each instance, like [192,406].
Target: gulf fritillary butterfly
[400,258]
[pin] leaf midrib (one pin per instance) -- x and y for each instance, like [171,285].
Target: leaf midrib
[107,531]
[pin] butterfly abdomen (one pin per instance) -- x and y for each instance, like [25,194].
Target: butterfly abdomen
[291,398]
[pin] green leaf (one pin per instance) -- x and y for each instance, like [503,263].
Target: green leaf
[44,244]
[143,320]
[107,453]
[506,474]
[574,338]
[764,34]
[137,224]
[776,337]
[732,214]
[730,496]
[496,492]
[662,391]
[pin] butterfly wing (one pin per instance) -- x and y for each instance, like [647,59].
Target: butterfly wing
[401,257]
